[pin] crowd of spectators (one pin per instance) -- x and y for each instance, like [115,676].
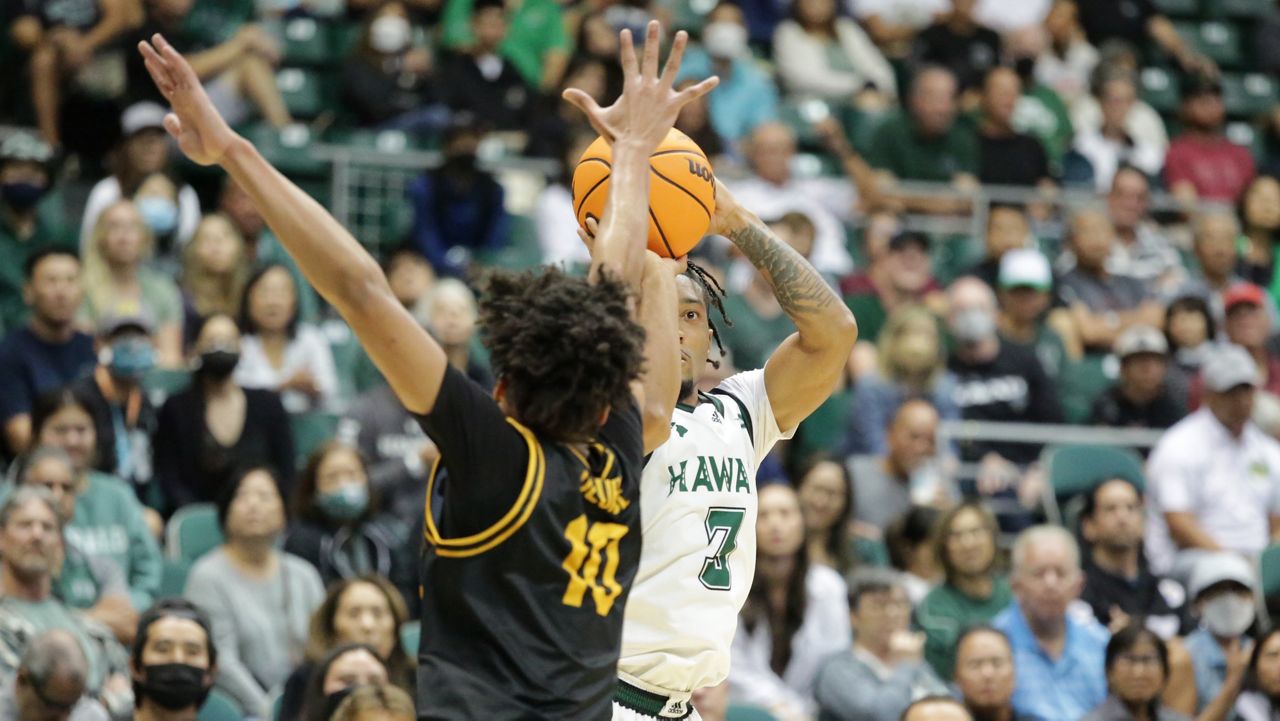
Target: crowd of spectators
[1027,230]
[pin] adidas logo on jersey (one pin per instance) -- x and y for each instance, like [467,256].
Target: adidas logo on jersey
[713,475]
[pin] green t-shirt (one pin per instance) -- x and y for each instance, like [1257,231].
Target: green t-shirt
[870,312]
[946,612]
[1042,114]
[899,148]
[21,621]
[49,232]
[108,523]
[534,28]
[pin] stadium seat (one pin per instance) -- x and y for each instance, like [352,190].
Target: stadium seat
[173,578]
[740,712]
[522,249]
[410,635]
[164,382]
[1081,382]
[306,41]
[219,707]
[1247,95]
[1075,469]
[288,150]
[1270,567]
[310,430]
[1220,41]
[305,91]
[192,532]
[1159,89]
[1180,8]
[343,38]
[1239,9]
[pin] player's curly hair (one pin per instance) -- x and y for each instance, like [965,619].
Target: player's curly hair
[566,349]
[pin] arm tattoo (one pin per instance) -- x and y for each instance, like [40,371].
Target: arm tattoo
[799,288]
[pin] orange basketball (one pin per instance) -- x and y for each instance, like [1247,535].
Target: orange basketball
[682,192]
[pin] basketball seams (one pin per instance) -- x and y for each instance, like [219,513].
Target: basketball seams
[682,189]
[587,195]
[661,233]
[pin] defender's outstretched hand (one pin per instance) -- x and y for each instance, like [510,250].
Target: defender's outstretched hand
[200,131]
[648,106]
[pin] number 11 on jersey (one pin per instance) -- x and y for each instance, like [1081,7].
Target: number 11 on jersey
[722,526]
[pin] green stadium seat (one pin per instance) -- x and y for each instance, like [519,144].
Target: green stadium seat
[1242,134]
[173,578]
[1159,87]
[1180,8]
[741,712]
[1220,41]
[382,141]
[310,430]
[1240,9]
[192,532]
[306,92]
[306,41]
[522,249]
[343,38]
[219,707]
[289,150]
[163,382]
[410,635]
[1270,566]
[1081,382]
[1073,470]
[1248,95]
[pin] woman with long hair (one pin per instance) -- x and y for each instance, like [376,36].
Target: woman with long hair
[1260,699]
[1259,211]
[832,537]
[334,678]
[821,54]
[1137,671]
[215,267]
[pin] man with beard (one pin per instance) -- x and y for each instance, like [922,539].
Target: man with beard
[174,662]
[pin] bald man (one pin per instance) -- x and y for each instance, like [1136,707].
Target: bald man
[936,708]
[50,683]
[907,473]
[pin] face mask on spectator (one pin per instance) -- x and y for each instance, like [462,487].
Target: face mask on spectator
[973,325]
[130,358]
[724,41]
[21,196]
[1228,615]
[160,214]
[389,34]
[174,686]
[344,503]
[219,362]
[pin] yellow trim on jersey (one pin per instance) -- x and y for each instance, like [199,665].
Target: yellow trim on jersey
[515,518]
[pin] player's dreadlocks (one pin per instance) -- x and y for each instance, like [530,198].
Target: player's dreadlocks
[567,349]
[713,295]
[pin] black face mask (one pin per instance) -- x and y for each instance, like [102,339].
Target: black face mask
[218,364]
[1026,70]
[334,700]
[174,686]
[21,196]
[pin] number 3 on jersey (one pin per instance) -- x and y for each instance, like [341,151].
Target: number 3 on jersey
[722,539]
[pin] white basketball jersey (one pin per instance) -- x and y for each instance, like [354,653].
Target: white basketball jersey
[698,510]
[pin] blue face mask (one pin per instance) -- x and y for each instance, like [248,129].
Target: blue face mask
[160,214]
[131,359]
[345,503]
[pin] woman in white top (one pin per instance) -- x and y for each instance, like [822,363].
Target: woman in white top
[1067,63]
[1141,122]
[828,57]
[796,615]
[277,351]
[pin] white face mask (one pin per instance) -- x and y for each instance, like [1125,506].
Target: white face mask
[724,41]
[1228,615]
[389,34]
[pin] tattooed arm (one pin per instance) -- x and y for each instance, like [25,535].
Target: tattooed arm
[802,373]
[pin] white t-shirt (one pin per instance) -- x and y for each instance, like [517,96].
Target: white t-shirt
[309,349]
[698,505]
[1006,17]
[825,201]
[1231,486]
[913,13]
[558,228]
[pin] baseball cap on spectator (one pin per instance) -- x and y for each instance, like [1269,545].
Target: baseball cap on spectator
[142,116]
[25,148]
[1227,366]
[908,238]
[1140,339]
[1212,569]
[1241,293]
[1025,268]
[112,325]
[1197,84]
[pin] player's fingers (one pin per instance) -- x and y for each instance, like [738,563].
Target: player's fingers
[693,92]
[627,54]
[183,75]
[649,65]
[173,125]
[159,75]
[581,100]
[593,226]
[672,68]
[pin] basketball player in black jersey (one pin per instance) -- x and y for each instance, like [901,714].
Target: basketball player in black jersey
[527,568]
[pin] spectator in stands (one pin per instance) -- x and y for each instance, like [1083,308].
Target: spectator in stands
[1142,251]
[1214,246]
[1067,61]
[398,454]
[1222,590]
[905,279]
[960,42]
[832,537]
[363,610]
[48,351]
[449,313]
[215,269]
[695,121]
[215,426]
[907,471]
[554,215]
[1141,397]
[971,593]
[984,674]
[1260,220]
[1137,673]
[337,526]
[909,540]
[1059,657]
[1135,22]
[381,701]
[936,708]
[73,48]
[108,519]
[259,599]
[410,276]
[532,37]
[746,96]
[142,152]
[556,124]
[1118,583]
[1215,476]
[773,191]
[1027,316]
[482,81]
[235,61]
[884,671]
[911,365]
[1110,143]
[1201,163]
[1190,329]
[174,662]
[117,281]
[1007,229]
[1102,303]
[1247,324]
[823,55]
[1041,113]
[277,350]
[926,141]
[30,529]
[342,670]
[458,208]
[894,24]
[794,617]
[387,81]
[1261,696]
[996,381]
[1005,156]
[31,219]
[51,682]
[124,419]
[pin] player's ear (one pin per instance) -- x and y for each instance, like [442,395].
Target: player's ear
[500,392]
[604,416]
